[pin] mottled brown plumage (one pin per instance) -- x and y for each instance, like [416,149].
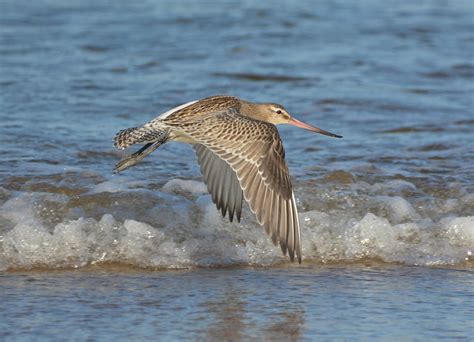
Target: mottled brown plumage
[240,154]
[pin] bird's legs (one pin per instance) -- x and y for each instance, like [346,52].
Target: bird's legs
[138,156]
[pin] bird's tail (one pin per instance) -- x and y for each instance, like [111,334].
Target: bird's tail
[137,135]
[151,137]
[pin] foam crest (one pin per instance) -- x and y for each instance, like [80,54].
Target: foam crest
[180,227]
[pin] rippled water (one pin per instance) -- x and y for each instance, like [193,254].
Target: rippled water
[313,302]
[396,80]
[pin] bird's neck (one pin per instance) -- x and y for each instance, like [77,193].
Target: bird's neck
[253,110]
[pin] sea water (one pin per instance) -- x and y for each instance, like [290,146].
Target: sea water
[396,193]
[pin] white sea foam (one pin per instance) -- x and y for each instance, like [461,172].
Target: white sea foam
[180,185]
[399,209]
[110,186]
[116,184]
[180,227]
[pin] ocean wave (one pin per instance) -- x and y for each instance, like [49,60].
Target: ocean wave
[178,226]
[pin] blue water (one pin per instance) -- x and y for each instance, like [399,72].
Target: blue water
[387,213]
[288,304]
[76,73]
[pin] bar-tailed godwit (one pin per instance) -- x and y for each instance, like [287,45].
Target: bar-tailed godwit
[240,154]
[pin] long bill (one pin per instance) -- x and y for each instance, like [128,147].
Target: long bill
[298,123]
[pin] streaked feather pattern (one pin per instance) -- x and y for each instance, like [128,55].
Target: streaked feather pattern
[221,181]
[258,163]
[240,158]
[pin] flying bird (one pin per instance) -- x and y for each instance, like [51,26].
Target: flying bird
[240,154]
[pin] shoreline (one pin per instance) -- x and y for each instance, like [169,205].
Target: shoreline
[116,267]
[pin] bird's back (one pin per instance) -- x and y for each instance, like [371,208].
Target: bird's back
[200,109]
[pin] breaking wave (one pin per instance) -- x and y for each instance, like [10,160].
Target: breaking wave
[177,226]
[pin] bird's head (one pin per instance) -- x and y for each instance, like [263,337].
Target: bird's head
[277,114]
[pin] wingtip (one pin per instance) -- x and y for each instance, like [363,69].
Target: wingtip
[292,256]
[285,250]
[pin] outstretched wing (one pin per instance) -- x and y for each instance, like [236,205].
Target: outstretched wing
[253,150]
[222,182]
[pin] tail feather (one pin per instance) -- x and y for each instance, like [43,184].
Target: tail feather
[137,135]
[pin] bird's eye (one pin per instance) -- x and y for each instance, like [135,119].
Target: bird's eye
[278,111]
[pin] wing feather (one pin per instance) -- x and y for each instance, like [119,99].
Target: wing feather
[283,226]
[253,169]
[221,181]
